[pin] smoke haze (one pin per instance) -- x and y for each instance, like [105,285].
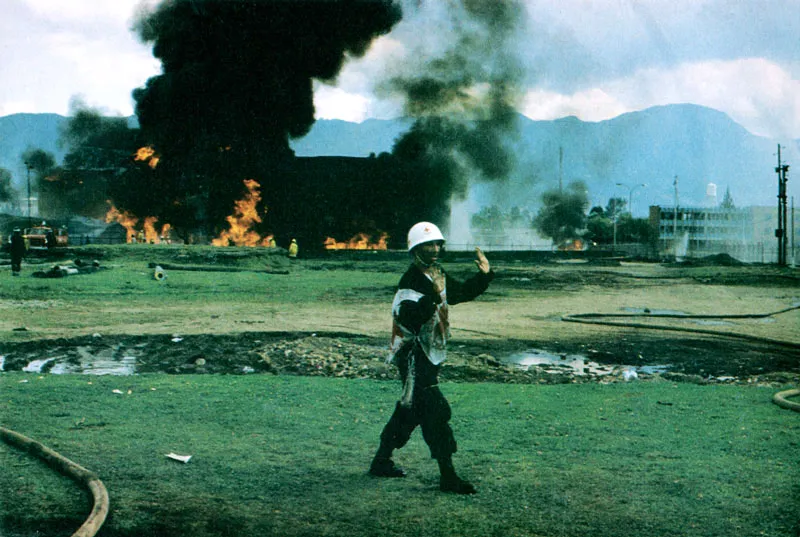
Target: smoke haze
[462,84]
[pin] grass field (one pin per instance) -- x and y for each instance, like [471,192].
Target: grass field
[287,455]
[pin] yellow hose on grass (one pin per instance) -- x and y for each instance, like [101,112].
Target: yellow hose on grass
[77,473]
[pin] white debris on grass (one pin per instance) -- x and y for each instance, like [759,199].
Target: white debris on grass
[180,458]
[629,374]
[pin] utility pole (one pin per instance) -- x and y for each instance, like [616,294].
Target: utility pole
[630,207]
[780,233]
[793,257]
[28,168]
[675,211]
[560,169]
[614,244]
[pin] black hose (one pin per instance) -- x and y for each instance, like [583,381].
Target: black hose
[595,318]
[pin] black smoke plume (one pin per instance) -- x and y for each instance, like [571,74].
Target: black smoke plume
[239,73]
[6,190]
[236,86]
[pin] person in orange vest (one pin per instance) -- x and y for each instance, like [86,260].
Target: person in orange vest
[419,337]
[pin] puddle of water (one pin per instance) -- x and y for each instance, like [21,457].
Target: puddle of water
[61,368]
[652,369]
[711,322]
[654,311]
[575,364]
[105,362]
[37,365]
[124,366]
[555,363]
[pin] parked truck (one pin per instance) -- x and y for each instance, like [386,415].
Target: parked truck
[44,237]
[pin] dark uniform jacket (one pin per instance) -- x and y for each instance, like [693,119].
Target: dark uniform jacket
[421,326]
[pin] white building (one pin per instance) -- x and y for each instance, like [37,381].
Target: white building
[747,233]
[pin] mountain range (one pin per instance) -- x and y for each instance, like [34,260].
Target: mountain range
[642,151]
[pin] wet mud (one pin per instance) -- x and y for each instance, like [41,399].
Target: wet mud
[692,359]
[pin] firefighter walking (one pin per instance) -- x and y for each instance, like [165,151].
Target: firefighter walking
[418,347]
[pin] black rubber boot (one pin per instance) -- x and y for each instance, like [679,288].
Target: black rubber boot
[385,467]
[449,480]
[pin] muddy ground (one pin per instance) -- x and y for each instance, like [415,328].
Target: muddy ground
[692,359]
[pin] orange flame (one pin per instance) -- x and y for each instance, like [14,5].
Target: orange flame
[244,216]
[124,218]
[575,245]
[128,221]
[150,234]
[148,154]
[360,241]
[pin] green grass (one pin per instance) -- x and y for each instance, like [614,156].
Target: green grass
[288,455]
[127,298]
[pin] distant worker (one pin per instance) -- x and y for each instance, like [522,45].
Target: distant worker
[271,243]
[50,239]
[293,249]
[418,347]
[140,238]
[17,251]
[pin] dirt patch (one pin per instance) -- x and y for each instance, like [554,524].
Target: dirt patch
[693,359]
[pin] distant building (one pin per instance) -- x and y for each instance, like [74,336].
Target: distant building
[711,195]
[746,233]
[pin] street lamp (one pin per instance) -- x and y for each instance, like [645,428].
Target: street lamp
[28,167]
[630,194]
[630,207]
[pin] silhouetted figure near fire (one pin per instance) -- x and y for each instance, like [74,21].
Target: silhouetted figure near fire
[419,338]
[17,252]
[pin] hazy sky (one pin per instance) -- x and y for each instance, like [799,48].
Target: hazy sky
[593,59]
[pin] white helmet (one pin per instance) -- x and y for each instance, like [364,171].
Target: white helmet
[423,232]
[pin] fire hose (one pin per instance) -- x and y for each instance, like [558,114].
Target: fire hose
[779,399]
[77,473]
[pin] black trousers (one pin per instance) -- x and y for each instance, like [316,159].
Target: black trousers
[429,410]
